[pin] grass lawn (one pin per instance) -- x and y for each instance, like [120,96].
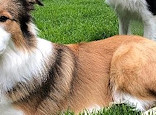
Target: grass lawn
[114,110]
[73,21]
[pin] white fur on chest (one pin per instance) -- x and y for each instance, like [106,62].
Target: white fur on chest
[6,107]
[20,66]
[23,66]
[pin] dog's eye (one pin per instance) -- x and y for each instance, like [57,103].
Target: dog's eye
[3,18]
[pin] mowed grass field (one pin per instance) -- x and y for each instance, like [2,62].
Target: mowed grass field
[74,21]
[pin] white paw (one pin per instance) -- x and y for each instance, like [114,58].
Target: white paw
[150,112]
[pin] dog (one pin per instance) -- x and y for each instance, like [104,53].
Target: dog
[142,10]
[38,77]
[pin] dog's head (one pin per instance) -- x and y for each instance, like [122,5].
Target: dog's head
[16,29]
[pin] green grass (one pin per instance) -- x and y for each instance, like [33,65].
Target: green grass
[121,109]
[73,21]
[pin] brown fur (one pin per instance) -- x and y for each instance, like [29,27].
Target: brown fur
[132,69]
[91,85]
[94,71]
[78,76]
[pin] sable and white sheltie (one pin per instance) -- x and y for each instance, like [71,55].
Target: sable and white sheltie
[143,10]
[38,77]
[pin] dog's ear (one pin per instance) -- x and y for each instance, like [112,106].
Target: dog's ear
[31,4]
[35,2]
[39,2]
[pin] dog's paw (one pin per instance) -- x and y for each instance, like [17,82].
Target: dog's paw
[150,112]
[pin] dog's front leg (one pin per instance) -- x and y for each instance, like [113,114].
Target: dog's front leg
[150,112]
[150,28]
[124,25]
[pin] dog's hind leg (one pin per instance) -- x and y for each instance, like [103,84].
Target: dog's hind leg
[124,25]
[133,74]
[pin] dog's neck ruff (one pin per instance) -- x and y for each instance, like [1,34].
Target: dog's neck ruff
[18,66]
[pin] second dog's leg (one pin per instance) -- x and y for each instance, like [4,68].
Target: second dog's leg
[150,28]
[124,25]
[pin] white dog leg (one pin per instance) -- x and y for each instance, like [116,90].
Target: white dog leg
[150,112]
[150,29]
[124,25]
